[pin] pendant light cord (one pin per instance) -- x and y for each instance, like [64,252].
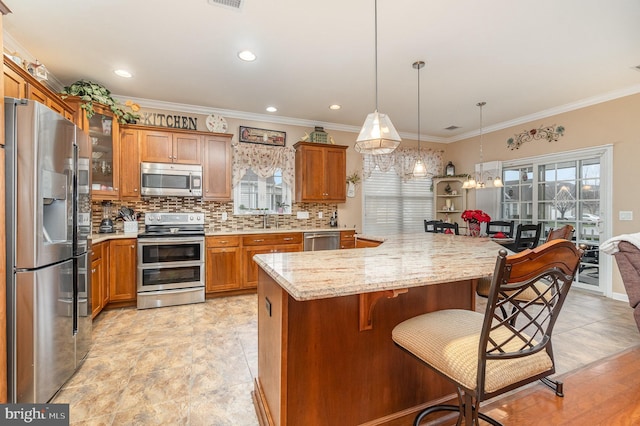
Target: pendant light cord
[419,66]
[481,104]
[376,48]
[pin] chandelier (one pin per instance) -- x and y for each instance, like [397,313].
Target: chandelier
[478,180]
[377,136]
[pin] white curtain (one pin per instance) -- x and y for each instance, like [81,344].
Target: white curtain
[402,161]
[263,160]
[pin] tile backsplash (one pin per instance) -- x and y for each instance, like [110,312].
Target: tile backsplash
[213,214]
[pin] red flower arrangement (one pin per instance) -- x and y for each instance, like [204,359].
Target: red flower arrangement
[475,216]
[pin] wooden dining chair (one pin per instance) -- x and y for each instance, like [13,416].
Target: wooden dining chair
[430,225]
[527,237]
[563,233]
[486,355]
[503,226]
[443,226]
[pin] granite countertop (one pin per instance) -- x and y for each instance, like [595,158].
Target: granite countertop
[98,238]
[402,261]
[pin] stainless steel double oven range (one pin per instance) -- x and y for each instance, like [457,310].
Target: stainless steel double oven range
[171,260]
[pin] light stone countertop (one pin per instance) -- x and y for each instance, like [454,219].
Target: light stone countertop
[402,261]
[98,238]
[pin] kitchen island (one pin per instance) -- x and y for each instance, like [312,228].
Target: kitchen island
[325,354]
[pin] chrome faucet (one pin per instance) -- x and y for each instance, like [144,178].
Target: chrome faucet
[265,220]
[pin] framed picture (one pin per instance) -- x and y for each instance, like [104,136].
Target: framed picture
[262,136]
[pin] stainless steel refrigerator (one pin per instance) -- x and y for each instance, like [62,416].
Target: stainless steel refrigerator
[48,278]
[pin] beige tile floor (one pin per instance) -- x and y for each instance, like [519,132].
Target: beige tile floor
[195,364]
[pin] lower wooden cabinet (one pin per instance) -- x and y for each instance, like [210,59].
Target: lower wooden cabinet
[363,242]
[223,264]
[265,243]
[122,270]
[348,239]
[99,277]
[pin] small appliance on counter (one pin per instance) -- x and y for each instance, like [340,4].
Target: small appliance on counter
[333,222]
[106,225]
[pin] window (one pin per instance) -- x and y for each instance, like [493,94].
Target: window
[256,195]
[392,206]
[560,189]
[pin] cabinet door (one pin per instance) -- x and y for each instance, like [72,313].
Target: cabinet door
[36,95]
[310,174]
[122,270]
[250,267]
[156,147]
[217,168]
[223,268]
[335,175]
[14,85]
[129,164]
[186,148]
[104,133]
[96,287]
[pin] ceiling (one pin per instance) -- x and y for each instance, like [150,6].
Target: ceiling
[526,59]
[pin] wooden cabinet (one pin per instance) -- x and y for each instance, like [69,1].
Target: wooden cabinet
[216,167]
[99,277]
[18,83]
[348,239]
[122,270]
[321,172]
[265,243]
[157,146]
[104,133]
[365,242]
[129,163]
[223,264]
[449,199]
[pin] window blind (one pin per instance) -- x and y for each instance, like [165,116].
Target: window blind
[392,206]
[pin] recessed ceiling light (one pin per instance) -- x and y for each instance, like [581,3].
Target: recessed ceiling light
[123,73]
[272,109]
[247,55]
[335,106]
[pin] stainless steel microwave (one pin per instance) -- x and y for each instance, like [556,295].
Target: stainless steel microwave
[176,180]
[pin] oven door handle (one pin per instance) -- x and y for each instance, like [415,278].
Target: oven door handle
[190,182]
[182,240]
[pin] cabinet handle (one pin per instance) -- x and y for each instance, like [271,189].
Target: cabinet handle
[115,189]
[93,271]
[132,246]
[288,239]
[258,241]
[223,242]
[135,189]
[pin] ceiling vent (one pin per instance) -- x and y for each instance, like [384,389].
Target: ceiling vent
[452,127]
[231,4]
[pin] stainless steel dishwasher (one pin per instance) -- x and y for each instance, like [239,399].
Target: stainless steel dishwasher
[321,240]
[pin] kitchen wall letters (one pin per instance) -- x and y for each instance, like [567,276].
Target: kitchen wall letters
[168,120]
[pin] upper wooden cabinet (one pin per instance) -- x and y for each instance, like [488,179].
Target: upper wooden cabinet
[157,146]
[216,167]
[104,133]
[129,163]
[18,83]
[321,172]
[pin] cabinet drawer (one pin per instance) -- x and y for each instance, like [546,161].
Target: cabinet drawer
[347,235]
[96,251]
[227,241]
[270,239]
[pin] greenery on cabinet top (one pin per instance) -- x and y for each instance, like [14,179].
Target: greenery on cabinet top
[90,92]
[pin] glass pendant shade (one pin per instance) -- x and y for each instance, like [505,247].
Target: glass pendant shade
[497,182]
[419,169]
[377,136]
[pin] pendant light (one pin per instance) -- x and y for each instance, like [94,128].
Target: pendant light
[419,169]
[377,136]
[478,182]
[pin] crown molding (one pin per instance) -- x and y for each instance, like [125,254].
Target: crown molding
[594,100]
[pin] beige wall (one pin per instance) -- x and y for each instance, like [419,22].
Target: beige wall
[615,122]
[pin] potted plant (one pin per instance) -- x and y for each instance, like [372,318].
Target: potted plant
[90,92]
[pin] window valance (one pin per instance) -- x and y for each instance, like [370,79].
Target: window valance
[263,160]
[402,161]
